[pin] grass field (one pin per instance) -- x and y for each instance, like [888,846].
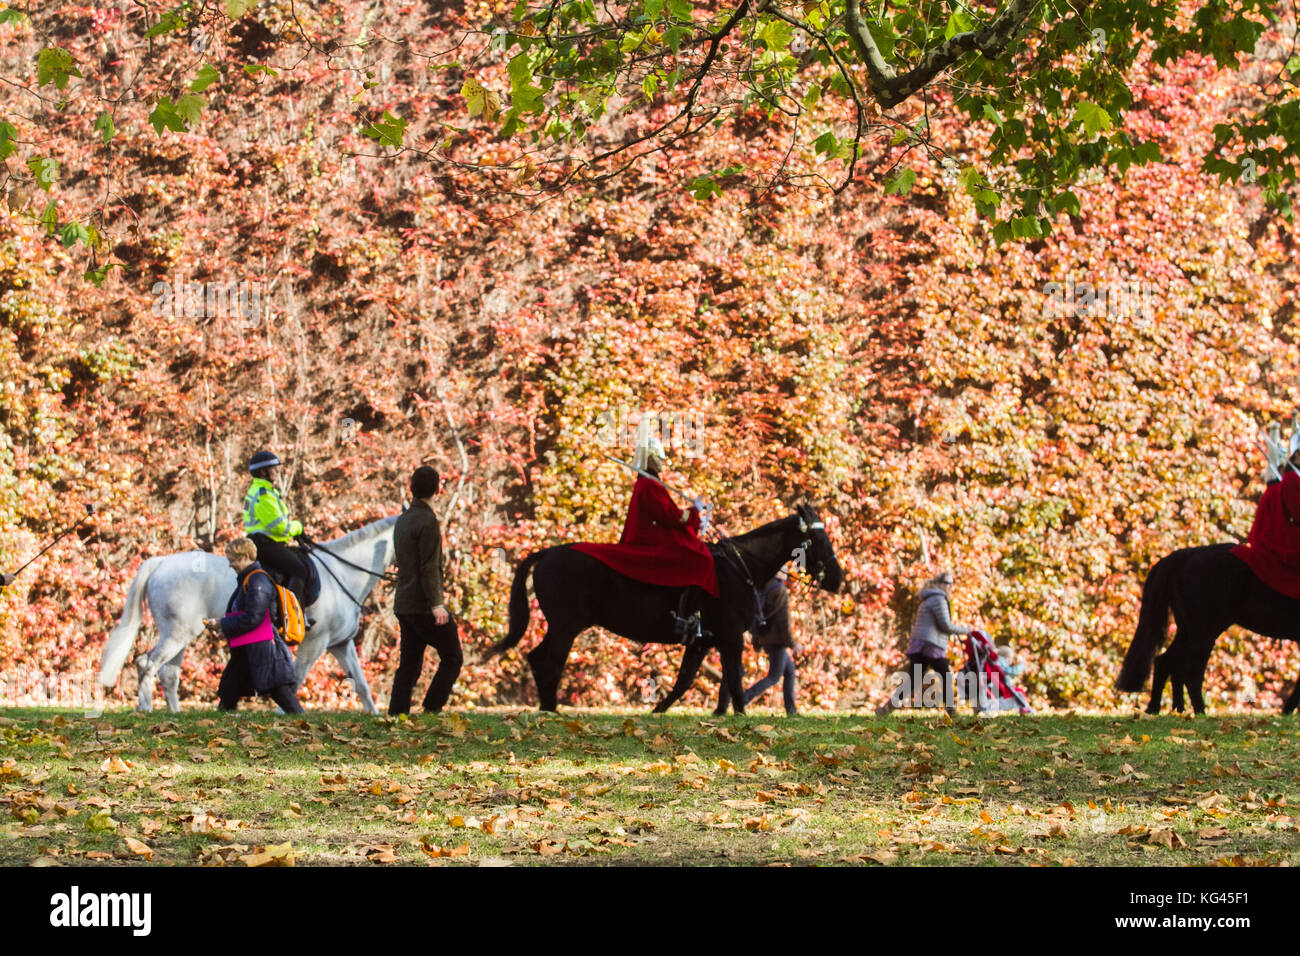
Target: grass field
[585,787]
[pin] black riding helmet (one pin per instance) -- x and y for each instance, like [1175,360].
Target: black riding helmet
[263,459]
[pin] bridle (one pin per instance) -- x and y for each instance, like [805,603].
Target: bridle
[805,529]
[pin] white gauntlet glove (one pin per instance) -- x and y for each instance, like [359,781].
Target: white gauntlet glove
[706,511]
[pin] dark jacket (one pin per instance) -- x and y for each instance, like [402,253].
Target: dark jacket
[776,613]
[252,599]
[417,540]
[270,663]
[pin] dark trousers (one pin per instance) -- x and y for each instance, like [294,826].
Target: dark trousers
[418,632]
[780,666]
[920,665]
[284,560]
[237,682]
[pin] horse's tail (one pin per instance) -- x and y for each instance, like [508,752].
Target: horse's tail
[1153,619]
[122,639]
[519,614]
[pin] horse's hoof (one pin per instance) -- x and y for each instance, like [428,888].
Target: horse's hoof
[720,712]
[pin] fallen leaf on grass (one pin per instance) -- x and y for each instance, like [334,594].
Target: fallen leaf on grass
[1166,838]
[883,857]
[139,849]
[115,765]
[101,823]
[434,850]
[383,853]
[278,854]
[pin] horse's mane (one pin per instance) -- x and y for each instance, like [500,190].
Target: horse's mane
[364,533]
[755,532]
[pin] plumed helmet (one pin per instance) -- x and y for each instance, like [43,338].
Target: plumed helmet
[1295,435]
[648,445]
[263,459]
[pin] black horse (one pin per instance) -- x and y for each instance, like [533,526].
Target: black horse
[576,591]
[1208,589]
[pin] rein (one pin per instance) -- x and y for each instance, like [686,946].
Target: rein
[388,576]
[385,576]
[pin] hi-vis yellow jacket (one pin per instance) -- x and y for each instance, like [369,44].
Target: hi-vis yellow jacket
[264,512]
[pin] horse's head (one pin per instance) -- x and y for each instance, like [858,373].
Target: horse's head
[821,564]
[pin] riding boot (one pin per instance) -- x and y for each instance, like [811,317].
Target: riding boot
[298,585]
[686,622]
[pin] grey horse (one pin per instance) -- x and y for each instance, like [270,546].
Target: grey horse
[183,589]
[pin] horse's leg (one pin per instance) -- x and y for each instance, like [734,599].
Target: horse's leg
[547,663]
[733,674]
[692,657]
[144,684]
[170,647]
[308,653]
[1177,671]
[1159,674]
[1292,701]
[346,655]
[1194,676]
[171,681]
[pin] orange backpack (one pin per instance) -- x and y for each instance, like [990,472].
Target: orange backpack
[289,621]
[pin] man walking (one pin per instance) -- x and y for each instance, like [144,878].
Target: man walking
[418,604]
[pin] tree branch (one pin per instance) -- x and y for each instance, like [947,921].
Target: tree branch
[891,88]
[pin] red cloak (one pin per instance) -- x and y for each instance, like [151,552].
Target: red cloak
[1273,548]
[656,547]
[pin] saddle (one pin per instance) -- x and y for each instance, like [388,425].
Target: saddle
[311,589]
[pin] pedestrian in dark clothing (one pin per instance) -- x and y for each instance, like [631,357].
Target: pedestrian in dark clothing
[260,660]
[421,614]
[773,636]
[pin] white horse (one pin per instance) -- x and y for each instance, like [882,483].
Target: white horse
[183,589]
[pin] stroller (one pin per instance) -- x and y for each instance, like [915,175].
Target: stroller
[993,688]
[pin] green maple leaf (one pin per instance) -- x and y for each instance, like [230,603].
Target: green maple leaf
[902,182]
[98,274]
[45,170]
[189,106]
[388,131]
[55,64]
[167,23]
[1092,116]
[164,116]
[7,136]
[207,75]
[49,217]
[104,126]
[237,8]
[73,233]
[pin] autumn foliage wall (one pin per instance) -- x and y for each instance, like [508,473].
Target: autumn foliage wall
[876,354]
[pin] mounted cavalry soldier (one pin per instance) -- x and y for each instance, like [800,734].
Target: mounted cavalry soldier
[661,543]
[267,522]
[1273,547]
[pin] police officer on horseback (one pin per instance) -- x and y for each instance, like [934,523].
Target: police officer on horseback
[267,522]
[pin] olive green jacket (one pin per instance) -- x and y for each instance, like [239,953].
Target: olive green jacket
[418,542]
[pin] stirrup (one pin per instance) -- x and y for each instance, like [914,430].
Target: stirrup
[687,628]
